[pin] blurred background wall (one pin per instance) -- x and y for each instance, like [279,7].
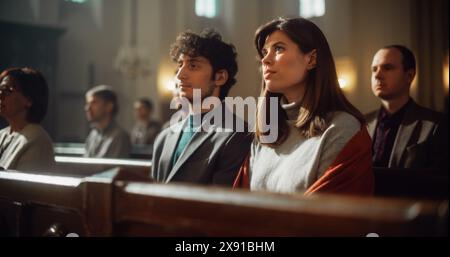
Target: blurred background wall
[125,43]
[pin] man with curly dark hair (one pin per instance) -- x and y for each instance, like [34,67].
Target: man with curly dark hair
[185,151]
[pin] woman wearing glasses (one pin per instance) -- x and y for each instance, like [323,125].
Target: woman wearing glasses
[24,144]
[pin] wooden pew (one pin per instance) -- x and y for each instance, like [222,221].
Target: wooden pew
[69,149]
[411,183]
[141,152]
[113,206]
[82,167]
[36,202]
[33,204]
[173,210]
[78,150]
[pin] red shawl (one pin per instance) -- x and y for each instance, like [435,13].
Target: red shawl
[350,173]
[242,180]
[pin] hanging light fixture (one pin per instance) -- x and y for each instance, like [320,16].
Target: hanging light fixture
[133,61]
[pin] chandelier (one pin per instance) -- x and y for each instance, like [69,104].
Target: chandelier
[133,62]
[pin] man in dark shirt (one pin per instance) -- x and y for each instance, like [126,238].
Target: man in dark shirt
[405,135]
[385,134]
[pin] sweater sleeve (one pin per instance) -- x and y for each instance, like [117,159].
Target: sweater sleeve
[342,128]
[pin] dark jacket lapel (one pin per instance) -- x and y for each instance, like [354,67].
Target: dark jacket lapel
[194,144]
[372,120]
[169,147]
[404,133]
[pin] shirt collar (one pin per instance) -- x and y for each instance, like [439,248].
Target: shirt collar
[110,126]
[383,115]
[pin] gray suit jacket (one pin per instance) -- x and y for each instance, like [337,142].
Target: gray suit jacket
[29,150]
[211,157]
[113,142]
[421,140]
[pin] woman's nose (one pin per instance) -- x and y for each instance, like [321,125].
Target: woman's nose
[267,59]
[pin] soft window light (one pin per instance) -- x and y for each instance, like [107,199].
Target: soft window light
[76,1]
[206,8]
[312,8]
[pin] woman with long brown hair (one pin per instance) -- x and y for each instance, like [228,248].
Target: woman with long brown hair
[320,142]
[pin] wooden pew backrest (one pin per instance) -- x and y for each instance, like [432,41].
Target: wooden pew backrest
[174,210]
[109,205]
[78,150]
[31,203]
[82,167]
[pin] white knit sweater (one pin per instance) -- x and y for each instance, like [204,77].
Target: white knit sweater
[299,162]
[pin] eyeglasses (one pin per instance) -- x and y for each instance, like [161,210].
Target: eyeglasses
[6,91]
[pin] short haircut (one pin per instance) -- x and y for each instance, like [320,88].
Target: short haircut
[107,94]
[31,84]
[209,44]
[408,59]
[146,102]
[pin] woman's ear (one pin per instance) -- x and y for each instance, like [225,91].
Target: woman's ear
[312,62]
[221,77]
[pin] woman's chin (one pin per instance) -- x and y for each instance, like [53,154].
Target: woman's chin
[273,89]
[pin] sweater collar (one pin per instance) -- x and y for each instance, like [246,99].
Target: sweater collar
[291,109]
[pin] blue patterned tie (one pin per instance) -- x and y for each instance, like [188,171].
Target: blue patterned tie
[184,140]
